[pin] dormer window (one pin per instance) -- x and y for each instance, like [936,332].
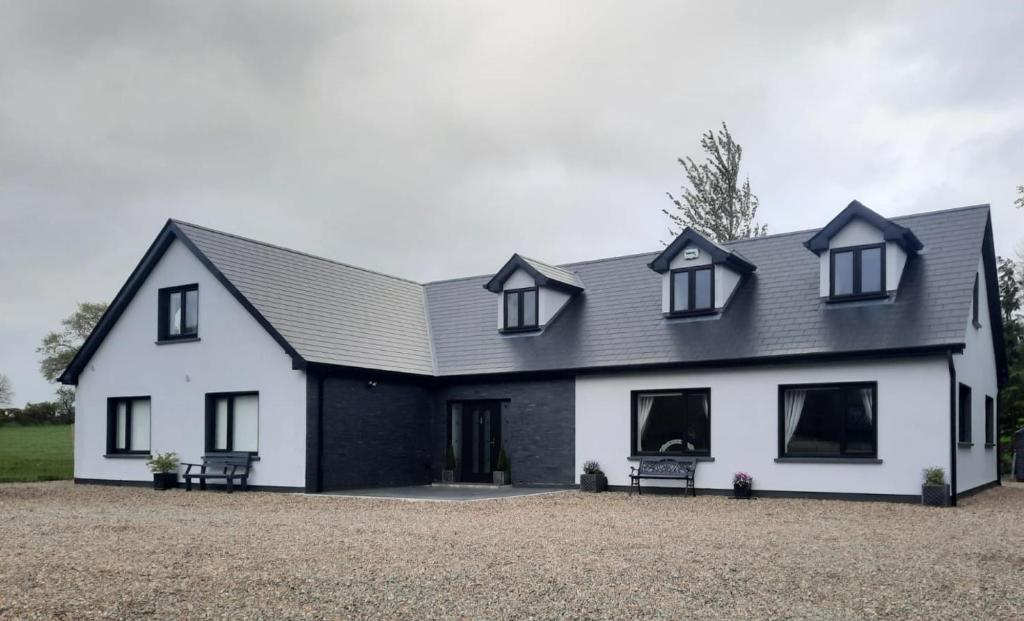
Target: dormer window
[858,271]
[521,309]
[693,289]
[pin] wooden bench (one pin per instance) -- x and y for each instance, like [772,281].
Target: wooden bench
[675,468]
[229,466]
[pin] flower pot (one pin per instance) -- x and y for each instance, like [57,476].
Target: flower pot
[165,480]
[501,477]
[593,482]
[935,495]
[447,476]
[742,491]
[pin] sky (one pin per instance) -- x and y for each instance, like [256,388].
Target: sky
[432,140]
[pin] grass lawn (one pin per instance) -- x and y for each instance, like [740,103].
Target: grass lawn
[35,453]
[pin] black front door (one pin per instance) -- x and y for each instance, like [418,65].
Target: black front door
[475,434]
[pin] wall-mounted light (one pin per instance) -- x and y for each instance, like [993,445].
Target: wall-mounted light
[371,384]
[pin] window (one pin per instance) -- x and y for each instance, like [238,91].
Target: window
[858,271]
[833,420]
[964,410]
[692,289]
[672,422]
[974,304]
[128,425]
[232,421]
[521,309]
[179,313]
[990,421]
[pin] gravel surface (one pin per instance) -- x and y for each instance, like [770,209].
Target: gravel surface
[77,552]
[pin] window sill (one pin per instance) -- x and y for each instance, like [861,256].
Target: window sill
[964,444]
[695,313]
[253,457]
[519,330]
[128,456]
[989,445]
[839,299]
[679,455]
[827,460]
[191,339]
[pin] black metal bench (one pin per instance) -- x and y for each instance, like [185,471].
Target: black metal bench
[229,466]
[675,468]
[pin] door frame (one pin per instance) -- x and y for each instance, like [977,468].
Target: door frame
[496,433]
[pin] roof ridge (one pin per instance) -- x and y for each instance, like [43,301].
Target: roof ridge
[294,251]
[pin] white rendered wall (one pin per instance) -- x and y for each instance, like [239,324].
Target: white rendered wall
[859,233]
[234,354]
[913,424]
[976,367]
[725,278]
[549,301]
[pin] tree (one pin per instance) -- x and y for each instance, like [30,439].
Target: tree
[1011,397]
[6,391]
[715,204]
[59,348]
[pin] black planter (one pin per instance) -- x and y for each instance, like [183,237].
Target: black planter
[501,477]
[593,483]
[935,495]
[742,491]
[165,480]
[447,476]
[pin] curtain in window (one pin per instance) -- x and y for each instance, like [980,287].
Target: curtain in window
[794,407]
[643,412]
[868,399]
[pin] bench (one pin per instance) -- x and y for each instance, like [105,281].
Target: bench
[675,468]
[229,466]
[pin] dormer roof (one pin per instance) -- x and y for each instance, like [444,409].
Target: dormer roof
[545,275]
[890,230]
[718,253]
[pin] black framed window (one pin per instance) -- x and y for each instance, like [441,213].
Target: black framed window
[964,410]
[521,309]
[990,421]
[974,303]
[671,422]
[857,271]
[692,289]
[828,420]
[128,425]
[232,421]
[179,313]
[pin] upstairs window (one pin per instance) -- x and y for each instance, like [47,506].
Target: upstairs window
[974,304]
[179,313]
[692,289]
[858,271]
[521,309]
[128,425]
[232,422]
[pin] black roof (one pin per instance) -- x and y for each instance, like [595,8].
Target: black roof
[329,313]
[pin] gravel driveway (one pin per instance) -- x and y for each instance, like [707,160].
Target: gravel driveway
[81,551]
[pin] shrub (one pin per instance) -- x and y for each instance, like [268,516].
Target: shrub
[742,479]
[934,476]
[592,467]
[449,458]
[502,461]
[163,462]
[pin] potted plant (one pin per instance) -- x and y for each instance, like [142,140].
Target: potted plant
[164,467]
[934,489]
[593,479]
[448,474]
[501,471]
[742,485]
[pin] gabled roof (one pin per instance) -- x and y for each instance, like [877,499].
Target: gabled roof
[891,231]
[545,275]
[719,254]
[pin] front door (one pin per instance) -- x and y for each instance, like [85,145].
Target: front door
[475,434]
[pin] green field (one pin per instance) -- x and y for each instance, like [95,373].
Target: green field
[35,453]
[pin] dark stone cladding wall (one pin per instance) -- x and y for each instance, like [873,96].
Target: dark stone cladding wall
[371,437]
[537,428]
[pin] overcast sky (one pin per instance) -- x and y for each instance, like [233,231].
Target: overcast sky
[432,140]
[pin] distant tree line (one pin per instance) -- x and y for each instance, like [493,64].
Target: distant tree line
[43,413]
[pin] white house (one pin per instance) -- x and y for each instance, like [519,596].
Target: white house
[837,363]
